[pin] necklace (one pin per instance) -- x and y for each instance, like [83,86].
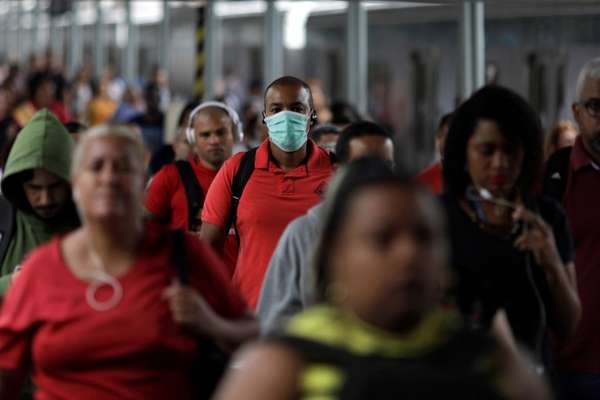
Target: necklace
[101,278]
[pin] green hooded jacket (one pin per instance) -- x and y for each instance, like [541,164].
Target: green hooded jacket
[42,143]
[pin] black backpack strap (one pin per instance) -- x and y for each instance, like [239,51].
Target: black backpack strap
[179,256]
[7,225]
[556,174]
[237,188]
[205,373]
[193,192]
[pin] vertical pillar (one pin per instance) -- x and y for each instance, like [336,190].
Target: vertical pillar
[357,55]
[19,21]
[473,47]
[199,86]
[4,29]
[131,59]
[165,29]
[76,43]
[98,42]
[273,44]
[212,50]
[35,23]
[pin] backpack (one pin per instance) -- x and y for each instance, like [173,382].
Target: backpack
[195,195]
[193,192]
[556,174]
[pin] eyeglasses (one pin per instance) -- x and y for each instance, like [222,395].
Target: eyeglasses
[592,106]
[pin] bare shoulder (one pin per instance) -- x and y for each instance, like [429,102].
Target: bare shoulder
[262,371]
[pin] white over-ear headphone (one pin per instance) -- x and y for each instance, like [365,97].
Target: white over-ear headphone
[238,130]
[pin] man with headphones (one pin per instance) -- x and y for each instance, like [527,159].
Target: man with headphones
[287,177]
[176,193]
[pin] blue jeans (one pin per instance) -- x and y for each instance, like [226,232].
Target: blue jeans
[579,386]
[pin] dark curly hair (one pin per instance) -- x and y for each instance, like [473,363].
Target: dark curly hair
[517,121]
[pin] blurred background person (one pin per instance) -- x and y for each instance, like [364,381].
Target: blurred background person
[431,177]
[130,106]
[562,135]
[380,329]
[101,107]
[151,121]
[343,114]
[41,93]
[325,136]
[83,91]
[76,129]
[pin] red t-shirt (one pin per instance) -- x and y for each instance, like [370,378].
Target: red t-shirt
[166,199]
[271,199]
[582,205]
[432,178]
[132,351]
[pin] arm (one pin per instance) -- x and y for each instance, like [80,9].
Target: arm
[265,372]
[190,310]
[212,234]
[11,383]
[160,191]
[538,238]
[518,378]
[217,205]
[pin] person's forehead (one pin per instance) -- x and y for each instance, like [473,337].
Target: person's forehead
[370,141]
[591,88]
[109,146]
[215,113]
[42,175]
[288,93]
[211,118]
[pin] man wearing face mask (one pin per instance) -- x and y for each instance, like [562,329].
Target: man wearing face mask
[288,176]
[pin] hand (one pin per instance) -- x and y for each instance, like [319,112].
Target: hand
[537,237]
[189,309]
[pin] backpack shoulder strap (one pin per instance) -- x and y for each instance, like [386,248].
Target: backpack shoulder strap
[556,174]
[7,225]
[179,256]
[193,191]
[237,188]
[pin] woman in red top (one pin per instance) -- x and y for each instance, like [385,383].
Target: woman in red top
[98,314]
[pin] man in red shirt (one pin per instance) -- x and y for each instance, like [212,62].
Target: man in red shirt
[579,359]
[431,177]
[212,129]
[288,178]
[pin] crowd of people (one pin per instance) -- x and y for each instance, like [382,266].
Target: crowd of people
[281,250]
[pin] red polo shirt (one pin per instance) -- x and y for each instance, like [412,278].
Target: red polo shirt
[166,199]
[271,199]
[582,205]
[431,178]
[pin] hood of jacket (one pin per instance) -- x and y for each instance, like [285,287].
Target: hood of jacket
[42,143]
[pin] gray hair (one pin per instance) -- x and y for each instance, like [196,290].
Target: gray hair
[590,70]
[103,131]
